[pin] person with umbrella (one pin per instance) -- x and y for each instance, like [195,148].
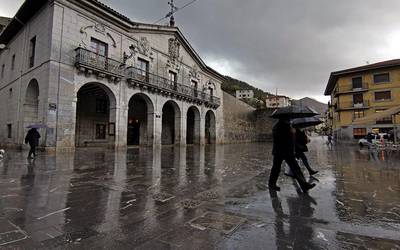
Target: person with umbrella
[301,139]
[32,138]
[284,146]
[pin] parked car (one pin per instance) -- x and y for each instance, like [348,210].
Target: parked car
[373,138]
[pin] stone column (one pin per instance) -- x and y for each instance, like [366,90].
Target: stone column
[181,129]
[157,127]
[121,126]
[202,129]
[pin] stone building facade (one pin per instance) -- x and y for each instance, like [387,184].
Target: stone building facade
[96,78]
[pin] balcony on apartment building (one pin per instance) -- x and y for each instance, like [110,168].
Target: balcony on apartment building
[352,105]
[351,88]
[90,62]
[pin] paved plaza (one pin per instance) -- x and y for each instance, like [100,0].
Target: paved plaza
[212,197]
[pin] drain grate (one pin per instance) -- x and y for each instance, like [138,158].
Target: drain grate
[208,195]
[163,197]
[217,221]
[190,204]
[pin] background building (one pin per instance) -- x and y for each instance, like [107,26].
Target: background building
[277,101]
[96,78]
[360,92]
[244,93]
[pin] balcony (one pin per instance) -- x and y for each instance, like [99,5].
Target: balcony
[351,105]
[350,89]
[90,62]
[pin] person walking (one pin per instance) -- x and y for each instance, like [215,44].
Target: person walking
[301,140]
[284,150]
[32,138]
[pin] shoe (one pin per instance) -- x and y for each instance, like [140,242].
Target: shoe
[274,187]
[307,186]
[313,172]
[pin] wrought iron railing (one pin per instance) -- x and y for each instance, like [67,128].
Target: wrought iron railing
[105,65]
[162,83]
[95,61]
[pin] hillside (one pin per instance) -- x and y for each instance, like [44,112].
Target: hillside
[231,85]
[312,103]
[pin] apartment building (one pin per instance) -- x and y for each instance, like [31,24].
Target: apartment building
[361,92]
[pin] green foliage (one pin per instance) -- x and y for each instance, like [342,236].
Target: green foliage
[231,85]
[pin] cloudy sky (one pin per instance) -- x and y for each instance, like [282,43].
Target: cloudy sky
[292,45]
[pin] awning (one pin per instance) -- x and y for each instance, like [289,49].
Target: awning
[371,119]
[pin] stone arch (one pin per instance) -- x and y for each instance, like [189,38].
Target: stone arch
[31,104]
[193,125]
[171,123]
[140,129]
[210,128]
[95,116]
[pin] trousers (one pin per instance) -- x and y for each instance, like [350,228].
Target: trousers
[293,165]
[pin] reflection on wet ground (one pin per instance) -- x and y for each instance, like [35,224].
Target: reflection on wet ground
[212,197]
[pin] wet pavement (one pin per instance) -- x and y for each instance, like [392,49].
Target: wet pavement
[212,197]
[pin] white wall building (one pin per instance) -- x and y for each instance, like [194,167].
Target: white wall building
[244,93]
[94,77]
[279,101]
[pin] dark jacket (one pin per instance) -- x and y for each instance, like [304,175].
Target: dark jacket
[301,141]
[32,137]
[283,139]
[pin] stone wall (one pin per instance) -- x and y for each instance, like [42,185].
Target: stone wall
[243,123]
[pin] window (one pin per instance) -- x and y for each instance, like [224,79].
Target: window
[383,77]
[359,133]
[9,130]
[2,70]
[358,99]
[100,131]
[32,49]
[143,67]
[101,106]
[385,120]
[172,76]
[358,114]
[13,62]
[194,86]
[383,95]
[357,82]
[99,47]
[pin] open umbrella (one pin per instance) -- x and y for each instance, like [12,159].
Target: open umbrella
[292,112]
[37,125]
[305,122]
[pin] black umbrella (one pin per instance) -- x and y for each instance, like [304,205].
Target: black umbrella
[292,112]
[37,125]
[305,122]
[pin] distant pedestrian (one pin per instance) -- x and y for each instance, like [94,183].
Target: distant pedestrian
[284,150]
[330,140]
[301,141]
[32,138]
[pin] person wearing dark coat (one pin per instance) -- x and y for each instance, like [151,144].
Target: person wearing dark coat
[284,150]
[301,141]
[32,138]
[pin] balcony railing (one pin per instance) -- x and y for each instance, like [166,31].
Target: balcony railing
[351,89]
[88,60]
[352,105]
[99,63]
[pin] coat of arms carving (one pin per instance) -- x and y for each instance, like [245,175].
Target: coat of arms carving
[144,46]
[173,49]
[194,72]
